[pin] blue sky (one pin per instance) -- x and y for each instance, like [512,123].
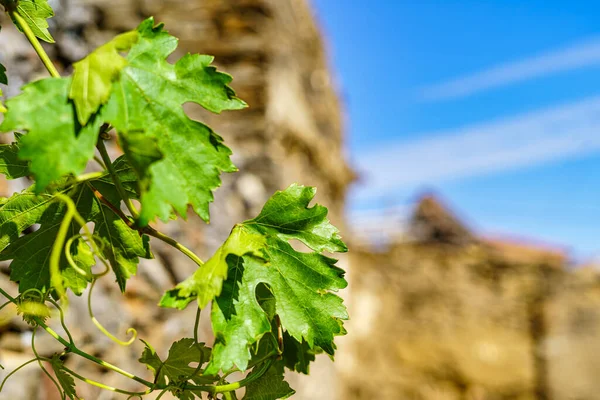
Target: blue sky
[495,105]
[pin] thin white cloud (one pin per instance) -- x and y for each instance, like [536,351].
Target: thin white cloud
[535,138]
[582,54]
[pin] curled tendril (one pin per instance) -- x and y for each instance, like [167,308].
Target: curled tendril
[134,396]
[14,371]
[130,331]
[39,359]
[61,236]
[42,296]
[72,262]
[62,320]
[97,246]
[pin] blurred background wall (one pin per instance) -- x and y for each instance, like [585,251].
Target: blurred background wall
[438,312]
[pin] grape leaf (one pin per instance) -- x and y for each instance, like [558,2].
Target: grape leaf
[10,164]
[301,283]
[55,144]
[269,386]
[148,98]
[127,176]
[36,13]
[122,246]
[297,355]
[206,283]
[141,151]
[26,208]
[65,380]
[20,212]
[93,76]
[176,368]
[286,215]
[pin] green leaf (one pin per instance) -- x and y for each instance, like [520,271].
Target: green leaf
[258,253]
[297,355]
[148,98]
[176,368]
[141,151]
[127,176]
[94,75]
[269,386]
[30,253]
[55,144]
[66,381]
[20,212]
[10,164]
[206,283]
[122,246]
[287,216]
[36,13]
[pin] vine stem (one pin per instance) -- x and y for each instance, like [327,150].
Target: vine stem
[251,378]
[73,349]
[173,243]
[113,173]
[148,230]
[103,386]
[35,43]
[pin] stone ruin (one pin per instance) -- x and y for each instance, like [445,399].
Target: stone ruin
[449,315]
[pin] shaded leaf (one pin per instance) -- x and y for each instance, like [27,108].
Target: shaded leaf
[297,355]
[122,246]
[176,368]
[270,386]
[10,164]
[66,381]
[3,78]
[141,151]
